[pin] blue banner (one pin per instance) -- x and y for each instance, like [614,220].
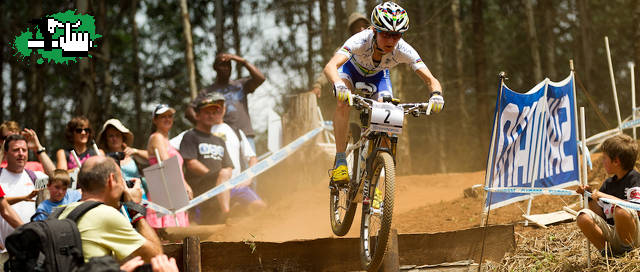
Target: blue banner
[534,141]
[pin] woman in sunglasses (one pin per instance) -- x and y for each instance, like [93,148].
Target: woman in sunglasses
[78,133]
[366,58]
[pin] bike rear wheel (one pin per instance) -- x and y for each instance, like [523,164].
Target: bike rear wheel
[341,206]
[377,215]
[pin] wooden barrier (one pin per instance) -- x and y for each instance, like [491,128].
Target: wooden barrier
[342,254]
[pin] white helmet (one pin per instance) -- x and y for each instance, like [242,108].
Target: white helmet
[390,17]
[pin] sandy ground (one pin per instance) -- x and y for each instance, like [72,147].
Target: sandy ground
[425,203]
[298,206]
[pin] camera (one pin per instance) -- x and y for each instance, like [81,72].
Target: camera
[116,156]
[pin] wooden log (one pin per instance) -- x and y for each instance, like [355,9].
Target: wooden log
[191,254]
[391,260]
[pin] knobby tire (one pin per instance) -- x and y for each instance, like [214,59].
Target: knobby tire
[378,244]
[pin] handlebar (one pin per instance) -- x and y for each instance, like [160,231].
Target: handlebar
[414,109]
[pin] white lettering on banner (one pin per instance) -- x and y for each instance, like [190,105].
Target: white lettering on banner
[513,124]
[559,132]
[521,143]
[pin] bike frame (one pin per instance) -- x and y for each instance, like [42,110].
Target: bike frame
[372,141]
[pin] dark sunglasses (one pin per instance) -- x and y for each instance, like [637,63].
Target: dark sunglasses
[80,130]
[390,35]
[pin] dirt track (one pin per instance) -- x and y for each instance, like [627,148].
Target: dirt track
[427,203]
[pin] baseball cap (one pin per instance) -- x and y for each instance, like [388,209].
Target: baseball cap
[209,99]
[160,109]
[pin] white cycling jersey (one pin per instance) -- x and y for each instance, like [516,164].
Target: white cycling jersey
[359,48]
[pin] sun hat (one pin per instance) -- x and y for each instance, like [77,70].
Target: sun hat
[356,16]
[115,123]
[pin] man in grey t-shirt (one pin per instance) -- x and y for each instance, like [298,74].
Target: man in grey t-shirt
[234,91]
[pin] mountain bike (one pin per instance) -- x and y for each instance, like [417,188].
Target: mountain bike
[371,153]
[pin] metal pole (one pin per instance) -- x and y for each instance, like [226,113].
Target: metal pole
[613,82]
[502,76]
[585,200]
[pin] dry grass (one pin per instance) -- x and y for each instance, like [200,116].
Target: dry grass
[560,248]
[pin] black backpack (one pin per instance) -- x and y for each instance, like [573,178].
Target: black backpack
[50,245]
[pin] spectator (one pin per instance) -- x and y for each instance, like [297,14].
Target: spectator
[17,184]
[162,118]
[58,194]
[603,222]
[115,140]
[207,162]
[235,92]
[78,134]
[357,22]
[10,127]
[104,230]
[239,151]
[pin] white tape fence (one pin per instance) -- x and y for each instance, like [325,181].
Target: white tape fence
[247,174]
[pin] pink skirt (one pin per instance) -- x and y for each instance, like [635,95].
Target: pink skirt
[167,220]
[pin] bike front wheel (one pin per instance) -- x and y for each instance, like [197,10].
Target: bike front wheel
[377,215]
[341,206]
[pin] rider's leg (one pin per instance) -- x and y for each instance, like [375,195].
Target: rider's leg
[340,126]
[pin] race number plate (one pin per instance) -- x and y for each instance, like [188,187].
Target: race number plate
[386,117]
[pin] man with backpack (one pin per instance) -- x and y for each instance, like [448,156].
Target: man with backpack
[85,234]
[103,229]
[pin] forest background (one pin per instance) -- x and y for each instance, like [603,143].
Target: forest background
[140,62]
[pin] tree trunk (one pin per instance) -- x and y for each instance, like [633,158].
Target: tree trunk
[458,86]
[107,79]
[479,64]
[584,19]
[14,105]
[549,45]
[369,5]
[86,75]
[533,41]
[352,6]
[219,11]
[340,25]
[324,31]
[136,88]
[35,81]
[193,89]
[310,53]
[437,135]
[236,32]
[403,153]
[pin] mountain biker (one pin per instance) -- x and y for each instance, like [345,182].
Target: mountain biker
[367,57]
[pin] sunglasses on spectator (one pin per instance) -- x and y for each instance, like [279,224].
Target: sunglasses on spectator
[390,35]
[166,116]
[80,130]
